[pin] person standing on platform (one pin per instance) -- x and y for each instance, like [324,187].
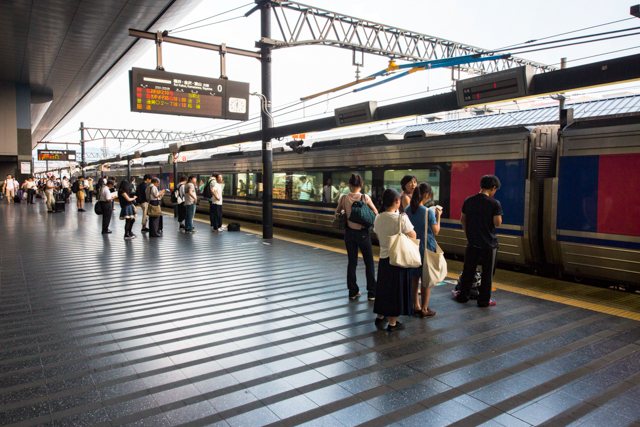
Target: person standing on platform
[127,209]
[83,187]
[215,212]
[50,186]
[408,184]
[190,201]
[356,237]
[426,223]
[90,190]
[481,214]
[66,191]
[141,198]
[31,191]
[182,209]
[107,198]
[154,195]
[9,189]
[393,293]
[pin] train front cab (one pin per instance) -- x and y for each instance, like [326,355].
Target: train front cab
[593,206]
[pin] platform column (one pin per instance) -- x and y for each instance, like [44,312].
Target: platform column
[267,152]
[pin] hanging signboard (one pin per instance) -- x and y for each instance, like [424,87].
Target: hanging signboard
[161,92]
[25,167]
[56,155]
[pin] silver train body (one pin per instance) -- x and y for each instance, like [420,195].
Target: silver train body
[534,164]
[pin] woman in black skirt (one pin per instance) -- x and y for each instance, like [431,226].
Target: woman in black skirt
[128,209]
[393,292]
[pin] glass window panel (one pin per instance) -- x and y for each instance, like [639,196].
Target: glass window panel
[227,184]
[202,180]
[340,180]
[307,186]
[393,177]
[246,185]
[282,186]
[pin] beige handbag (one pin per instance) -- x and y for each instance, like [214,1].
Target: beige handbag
[434,270]
[404,251]
[154,211]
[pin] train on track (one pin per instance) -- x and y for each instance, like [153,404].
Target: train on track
[571,197]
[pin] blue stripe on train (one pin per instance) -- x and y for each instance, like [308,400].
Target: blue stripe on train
[600,242]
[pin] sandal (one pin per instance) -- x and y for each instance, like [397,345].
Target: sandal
[428,313]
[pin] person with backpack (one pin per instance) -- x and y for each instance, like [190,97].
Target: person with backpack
[481,214]
[141,198]
[190,203]
[356,237]
[177,198]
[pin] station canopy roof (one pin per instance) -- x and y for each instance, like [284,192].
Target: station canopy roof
[598,108]
[65,48]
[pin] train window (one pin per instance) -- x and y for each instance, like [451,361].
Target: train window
[282,185]
[246,185]
[227,184]
[393,177]
[340,181]
[307,186]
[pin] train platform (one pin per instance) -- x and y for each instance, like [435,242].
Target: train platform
[226,329]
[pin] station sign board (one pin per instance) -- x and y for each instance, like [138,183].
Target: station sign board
[494,87]
[56,155]
[161,92]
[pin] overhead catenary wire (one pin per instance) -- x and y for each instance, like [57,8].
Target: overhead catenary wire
[600,54]
[210,17]
[565,33]
[206,25]
[575,44]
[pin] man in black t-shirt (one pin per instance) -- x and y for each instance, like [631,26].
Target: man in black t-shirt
[481,214]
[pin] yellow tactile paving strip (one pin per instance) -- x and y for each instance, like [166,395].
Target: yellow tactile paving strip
[592,298]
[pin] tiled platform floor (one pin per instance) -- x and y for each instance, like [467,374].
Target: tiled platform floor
[223,329]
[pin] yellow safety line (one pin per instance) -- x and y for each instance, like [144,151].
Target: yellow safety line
[528,292]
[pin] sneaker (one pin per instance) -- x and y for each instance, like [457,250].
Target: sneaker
[381,321]
[192,232]
[397,327]
[181,226]
[128,237]
[81,210]
[144,230]
[223,228]
[491,304]
[355,296]
[107,232]
[219,230]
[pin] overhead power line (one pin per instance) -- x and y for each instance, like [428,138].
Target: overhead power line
[600,54]
[206,25]
[210,17]
[577,43]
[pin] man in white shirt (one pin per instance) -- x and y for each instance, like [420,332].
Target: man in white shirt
[50,185]
[330,193]
[9,188]
[106,198]
[215,207]
[31,190]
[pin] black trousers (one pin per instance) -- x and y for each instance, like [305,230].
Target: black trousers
[155,222]
[107,212]
[31,194]
[89,198]
[182,212]
[473,256]
[67,194]
[215,215]
[354,240]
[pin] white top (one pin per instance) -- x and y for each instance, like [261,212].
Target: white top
[105,194]
[30,184]
[50,186]
[329,193]
[218,189]
[386,225]
[188,200]
[65,183]
[10,184]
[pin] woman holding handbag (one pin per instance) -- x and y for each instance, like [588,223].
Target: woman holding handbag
[426,223]
[155,213]
[356,236]
[393,292]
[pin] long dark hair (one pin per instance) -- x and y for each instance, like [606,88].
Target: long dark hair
[124,186]
[420,191]
[389,198]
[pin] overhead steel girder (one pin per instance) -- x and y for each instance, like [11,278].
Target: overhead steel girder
[302,25]
[94,134]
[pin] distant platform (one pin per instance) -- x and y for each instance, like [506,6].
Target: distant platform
[226,329]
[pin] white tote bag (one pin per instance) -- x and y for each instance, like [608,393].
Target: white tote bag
[435,267]
[404,251]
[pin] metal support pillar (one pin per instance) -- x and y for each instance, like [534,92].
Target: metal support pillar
[83,163]
[563,64]
[176,181]
[267,153]
[159,51]
[129,170]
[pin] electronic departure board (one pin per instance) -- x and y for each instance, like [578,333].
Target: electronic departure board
[57,155]
[161,92]
[494,87]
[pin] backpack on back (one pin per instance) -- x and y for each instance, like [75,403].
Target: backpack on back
[175,195]
[206,191]
[75,187]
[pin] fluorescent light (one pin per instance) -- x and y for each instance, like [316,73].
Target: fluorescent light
[151,79]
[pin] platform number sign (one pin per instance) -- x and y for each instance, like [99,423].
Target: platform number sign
[161,92]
